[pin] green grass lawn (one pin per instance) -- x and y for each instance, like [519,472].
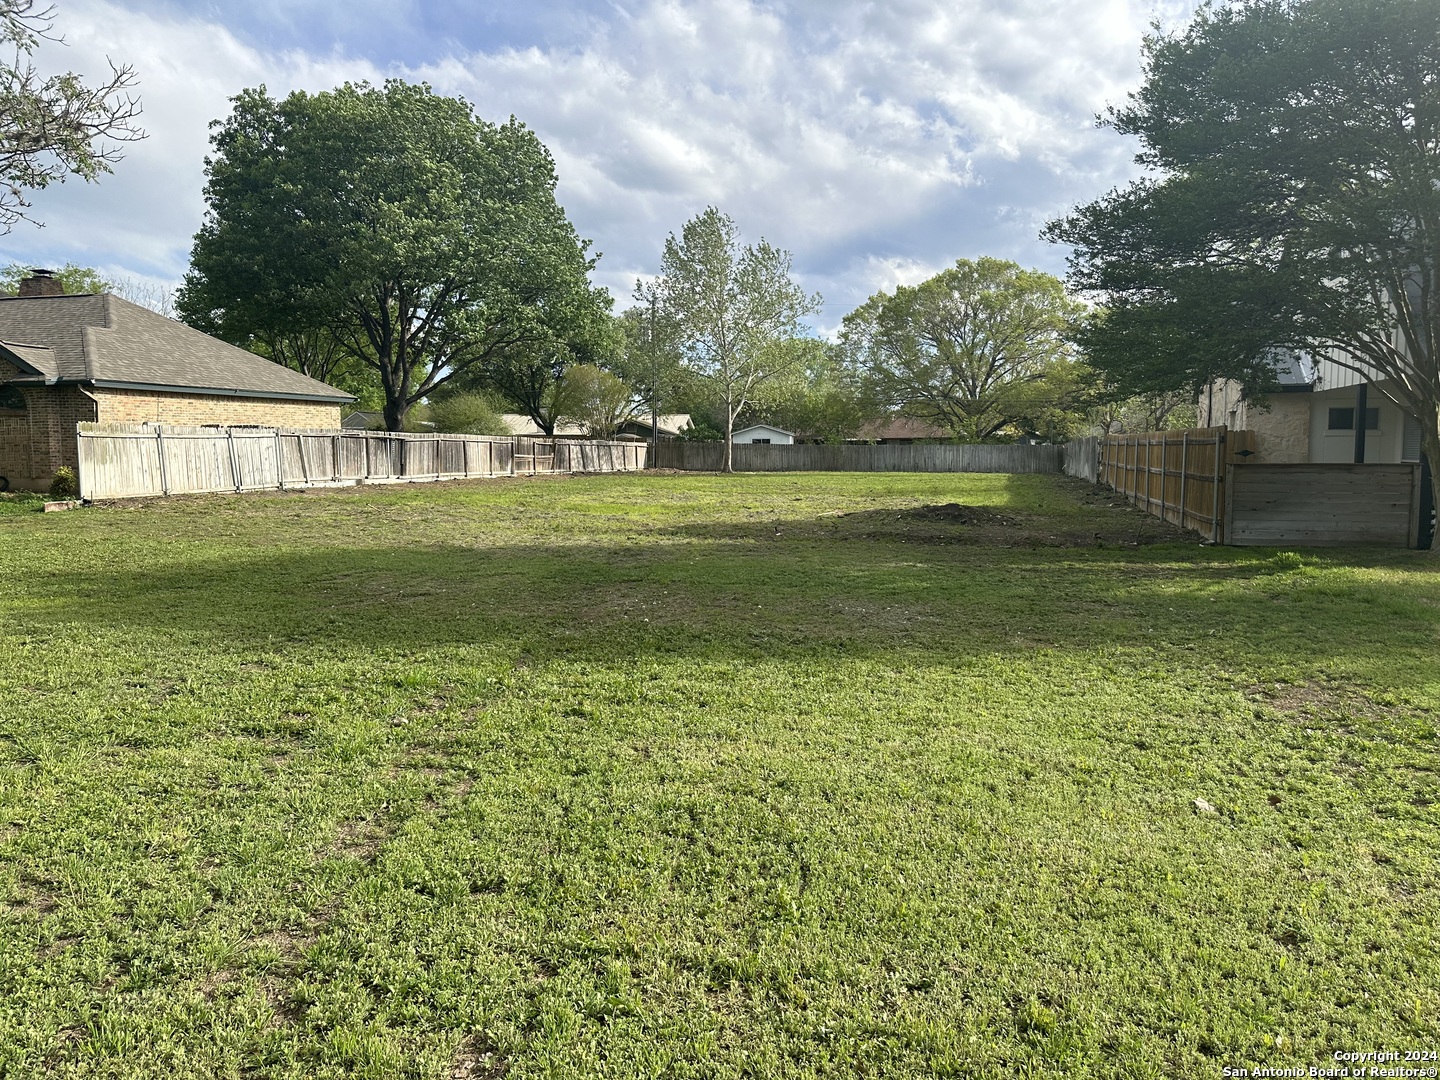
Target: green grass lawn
[692,776]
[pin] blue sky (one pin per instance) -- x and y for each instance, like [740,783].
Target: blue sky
[879,142]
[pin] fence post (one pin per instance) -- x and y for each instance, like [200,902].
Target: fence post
[160,453]
[335,455]
[1215,531]
[1425,536]
[1184,472]
[1164,466]
[234,460]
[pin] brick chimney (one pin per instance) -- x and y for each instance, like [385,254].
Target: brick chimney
[41,283]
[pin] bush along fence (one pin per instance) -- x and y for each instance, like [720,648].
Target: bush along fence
[1205,479]
[881,457]
[121,461]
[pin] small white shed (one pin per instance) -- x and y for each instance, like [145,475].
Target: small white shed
[763,433]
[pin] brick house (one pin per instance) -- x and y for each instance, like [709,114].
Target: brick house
[95,357]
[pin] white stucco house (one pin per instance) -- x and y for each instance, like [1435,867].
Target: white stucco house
[1312,417]
[763,433]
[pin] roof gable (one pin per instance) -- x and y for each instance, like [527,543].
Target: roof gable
[35,361]
[103,339]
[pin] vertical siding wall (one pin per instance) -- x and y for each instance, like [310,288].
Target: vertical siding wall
[939,457]
[121,461]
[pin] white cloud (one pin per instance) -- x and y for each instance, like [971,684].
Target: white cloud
[875,141]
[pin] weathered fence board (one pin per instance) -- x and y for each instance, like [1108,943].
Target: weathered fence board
[1323,505]
[121,461]
[882,457]
[1082,458]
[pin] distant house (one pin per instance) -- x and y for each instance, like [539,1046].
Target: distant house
[95,357]
[360,420]
[520,424]
[763,433]
[670,426]
[1313,416]
[899,429]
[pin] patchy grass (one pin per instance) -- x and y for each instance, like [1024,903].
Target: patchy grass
[20,502]
[696,776]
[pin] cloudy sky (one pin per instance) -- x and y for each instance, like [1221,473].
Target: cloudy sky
[878,141]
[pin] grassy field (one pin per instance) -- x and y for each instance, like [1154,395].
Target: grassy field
[691,776]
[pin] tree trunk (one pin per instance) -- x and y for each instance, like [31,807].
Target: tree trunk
[729,439]
[1430,448]
[395,412]
[654,433]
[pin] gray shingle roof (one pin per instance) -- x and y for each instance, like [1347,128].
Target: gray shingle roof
[33,358]
[102,339]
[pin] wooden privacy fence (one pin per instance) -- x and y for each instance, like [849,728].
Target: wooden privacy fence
[1082,458]
[881,457]
[121,461]
[1204,480]
[1324,505]
[1176,475]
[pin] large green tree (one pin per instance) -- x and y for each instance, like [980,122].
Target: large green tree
[1293,200]
[648,356]
[821,396]
[734,308]
[975,349]
[423,240]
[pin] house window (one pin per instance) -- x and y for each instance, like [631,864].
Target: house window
[11,399]
[1344,420]
[1410,447]
[758,441]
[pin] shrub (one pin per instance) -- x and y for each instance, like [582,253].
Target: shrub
[466,414]
[65,485]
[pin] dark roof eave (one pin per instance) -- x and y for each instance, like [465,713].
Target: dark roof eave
[214,391]
[23,364]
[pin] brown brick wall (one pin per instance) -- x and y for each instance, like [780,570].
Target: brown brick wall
[35,443]
[149,407]
[14,436]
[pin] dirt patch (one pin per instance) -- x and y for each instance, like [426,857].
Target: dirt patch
[1321,700]
[477,1060]
[359,838]
[959,514]
[956,523]
[285,1011]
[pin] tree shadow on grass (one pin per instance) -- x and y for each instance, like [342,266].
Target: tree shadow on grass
[754,594]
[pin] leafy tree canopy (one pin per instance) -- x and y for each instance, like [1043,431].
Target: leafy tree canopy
[1293,201]
[56,126]
[597,398]
[72,277]
[818,397]
[733,307]
[976,349]
[425,241]
[466,413]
